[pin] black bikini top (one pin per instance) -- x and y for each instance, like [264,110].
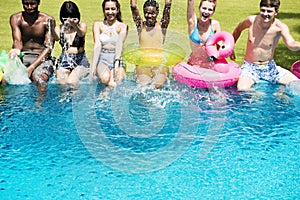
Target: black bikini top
[77,42]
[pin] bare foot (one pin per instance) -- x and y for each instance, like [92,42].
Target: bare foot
[112,84]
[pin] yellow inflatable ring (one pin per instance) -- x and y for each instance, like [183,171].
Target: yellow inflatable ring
[171,55]
[1,75]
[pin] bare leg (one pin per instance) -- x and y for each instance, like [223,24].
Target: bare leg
[245,83]
[62,75]
[104,95]
[143,79]
[112,82]
[159,80]
[103,74]
[41,82]
[143,75]
[281,94]
[160,77]
[78,73]
[120,74]
[287,78]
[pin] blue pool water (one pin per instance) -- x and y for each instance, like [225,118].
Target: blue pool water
[139,143]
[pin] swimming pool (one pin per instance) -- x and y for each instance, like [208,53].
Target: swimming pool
[139,143]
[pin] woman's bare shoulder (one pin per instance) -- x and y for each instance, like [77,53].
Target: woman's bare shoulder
[122,25]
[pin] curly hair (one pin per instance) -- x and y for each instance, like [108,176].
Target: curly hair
[151,3]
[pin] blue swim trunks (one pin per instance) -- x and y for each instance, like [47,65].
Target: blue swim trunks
[268,72]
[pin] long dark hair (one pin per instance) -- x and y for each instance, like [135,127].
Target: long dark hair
[69,9]
[119,15]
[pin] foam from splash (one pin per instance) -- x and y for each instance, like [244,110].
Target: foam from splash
[294,87]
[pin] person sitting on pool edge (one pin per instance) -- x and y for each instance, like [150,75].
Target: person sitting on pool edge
[109,38]
[72,65]
[201,30]
[263,36]
[31,35]
[151,39]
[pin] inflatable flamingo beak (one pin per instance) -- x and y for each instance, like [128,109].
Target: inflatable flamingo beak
[211,58]
[212,53]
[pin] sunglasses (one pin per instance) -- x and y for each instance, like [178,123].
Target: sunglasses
[72,19]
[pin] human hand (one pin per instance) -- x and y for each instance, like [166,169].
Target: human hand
[14,52]
[30,70]
[232,56]
[92,74]
[73,21]
[117,63]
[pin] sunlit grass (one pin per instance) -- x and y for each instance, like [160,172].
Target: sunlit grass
[229,13]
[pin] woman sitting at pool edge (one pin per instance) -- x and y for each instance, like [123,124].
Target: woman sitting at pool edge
[72,64]
[151,38]
[109,38]
[200,30]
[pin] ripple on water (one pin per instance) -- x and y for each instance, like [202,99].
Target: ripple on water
[255,154]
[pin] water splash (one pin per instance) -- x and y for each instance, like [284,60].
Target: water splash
[294,88]
[65,57]
[138,129]
[49,43]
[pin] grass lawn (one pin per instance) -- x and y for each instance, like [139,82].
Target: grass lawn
[229,13]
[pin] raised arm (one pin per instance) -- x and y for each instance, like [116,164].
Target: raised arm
[166,14]
[191,16]
[288,38]
[136,14]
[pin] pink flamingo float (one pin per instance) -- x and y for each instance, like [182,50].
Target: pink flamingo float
[221,73]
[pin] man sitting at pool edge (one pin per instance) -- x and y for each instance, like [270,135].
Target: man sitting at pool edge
[263,36]
[31,35]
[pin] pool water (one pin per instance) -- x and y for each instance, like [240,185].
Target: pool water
[140,143]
